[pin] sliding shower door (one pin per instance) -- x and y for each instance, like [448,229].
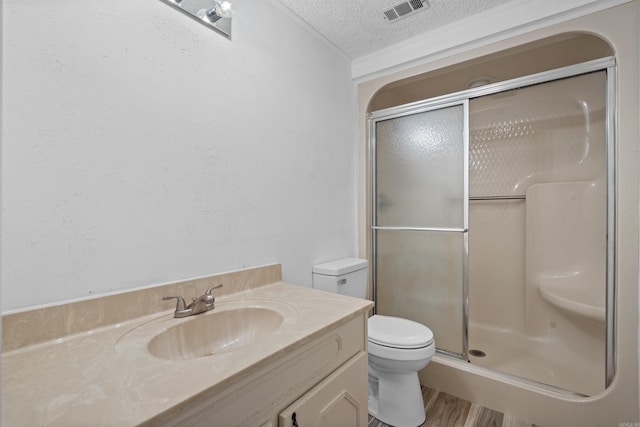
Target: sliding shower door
[538,185]
[527,289]
[419,221]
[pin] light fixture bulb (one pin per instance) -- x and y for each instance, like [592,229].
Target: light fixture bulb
[220,9]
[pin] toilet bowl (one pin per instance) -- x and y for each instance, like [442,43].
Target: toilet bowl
[398,349]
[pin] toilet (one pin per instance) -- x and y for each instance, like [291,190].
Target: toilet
[398,348]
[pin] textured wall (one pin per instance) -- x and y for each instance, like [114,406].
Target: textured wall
[140,147]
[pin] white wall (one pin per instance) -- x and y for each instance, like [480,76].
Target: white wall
[140,147]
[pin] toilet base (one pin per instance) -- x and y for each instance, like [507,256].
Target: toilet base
[396,398]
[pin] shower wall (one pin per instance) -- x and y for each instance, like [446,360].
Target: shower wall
[537,263]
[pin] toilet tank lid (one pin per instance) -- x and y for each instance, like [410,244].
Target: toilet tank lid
[340,266]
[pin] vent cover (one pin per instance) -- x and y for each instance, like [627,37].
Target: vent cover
[404,9]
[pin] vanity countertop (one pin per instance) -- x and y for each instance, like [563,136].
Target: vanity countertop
[108,377]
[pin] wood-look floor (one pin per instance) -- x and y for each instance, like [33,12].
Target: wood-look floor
[445,410]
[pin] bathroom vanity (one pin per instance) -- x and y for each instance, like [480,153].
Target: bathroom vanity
[278,355]
[320,382]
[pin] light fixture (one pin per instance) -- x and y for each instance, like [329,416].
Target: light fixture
[214,14]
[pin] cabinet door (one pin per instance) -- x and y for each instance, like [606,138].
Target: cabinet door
[340,400]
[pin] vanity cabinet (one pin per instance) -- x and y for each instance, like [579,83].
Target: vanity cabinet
[339,400]
[322,380]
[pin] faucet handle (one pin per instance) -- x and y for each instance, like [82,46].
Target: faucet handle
[210,299]
[212,288]
[181,310]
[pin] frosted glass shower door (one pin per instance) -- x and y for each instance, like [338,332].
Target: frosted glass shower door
[419,219]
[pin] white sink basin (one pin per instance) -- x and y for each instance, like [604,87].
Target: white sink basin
[215,333]
[231,326]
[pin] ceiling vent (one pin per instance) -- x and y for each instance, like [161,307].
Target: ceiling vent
[405,9]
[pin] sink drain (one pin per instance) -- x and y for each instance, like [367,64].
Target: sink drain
[477,353]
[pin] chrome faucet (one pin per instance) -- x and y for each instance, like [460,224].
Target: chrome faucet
[198,305]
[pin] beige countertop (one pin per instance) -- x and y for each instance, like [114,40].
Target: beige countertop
[107,376]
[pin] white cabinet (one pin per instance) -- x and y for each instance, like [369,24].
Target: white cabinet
[338,401]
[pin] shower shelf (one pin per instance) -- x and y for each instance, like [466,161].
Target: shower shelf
[569,293]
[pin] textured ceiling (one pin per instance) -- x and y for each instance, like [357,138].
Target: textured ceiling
[358,27]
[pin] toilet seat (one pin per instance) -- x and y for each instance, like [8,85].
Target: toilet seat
[401,354]
[395,332]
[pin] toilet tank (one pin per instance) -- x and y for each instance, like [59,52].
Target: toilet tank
[346,276]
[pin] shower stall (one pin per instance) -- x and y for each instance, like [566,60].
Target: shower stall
[493,224]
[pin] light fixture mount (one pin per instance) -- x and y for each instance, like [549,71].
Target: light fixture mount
[214,14]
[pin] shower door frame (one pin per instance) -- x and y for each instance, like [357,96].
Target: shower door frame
[417,109]
[607,64]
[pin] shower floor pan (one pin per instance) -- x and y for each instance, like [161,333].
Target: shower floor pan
[535,359]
